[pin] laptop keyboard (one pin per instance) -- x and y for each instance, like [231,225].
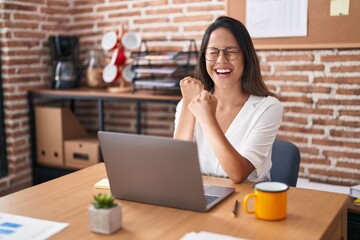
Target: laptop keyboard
[210,199]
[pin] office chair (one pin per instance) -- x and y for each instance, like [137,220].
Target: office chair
[285,162]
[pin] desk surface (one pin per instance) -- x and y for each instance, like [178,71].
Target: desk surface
[311,214]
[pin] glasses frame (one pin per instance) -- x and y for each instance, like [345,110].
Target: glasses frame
[223,50]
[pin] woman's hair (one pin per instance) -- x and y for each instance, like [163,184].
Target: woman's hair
[251,82]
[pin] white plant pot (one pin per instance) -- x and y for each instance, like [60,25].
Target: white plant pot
[105,221]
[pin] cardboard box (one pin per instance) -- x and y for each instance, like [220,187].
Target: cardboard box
[81,152]
[53,126]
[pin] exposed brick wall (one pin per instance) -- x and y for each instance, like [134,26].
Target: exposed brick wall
[25,26]
[319,88]
[320,92]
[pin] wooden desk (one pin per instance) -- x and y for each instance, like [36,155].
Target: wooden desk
[311,214]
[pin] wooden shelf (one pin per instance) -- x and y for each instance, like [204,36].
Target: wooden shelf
[89,94]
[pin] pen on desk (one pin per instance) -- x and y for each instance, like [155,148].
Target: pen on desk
[235,210]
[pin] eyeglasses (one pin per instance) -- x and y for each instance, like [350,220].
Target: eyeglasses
[231,53]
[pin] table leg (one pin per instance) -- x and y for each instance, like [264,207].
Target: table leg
[32,130]
[138,117]
[101,114]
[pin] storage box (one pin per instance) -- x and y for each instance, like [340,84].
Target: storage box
[81,152]
[54,125]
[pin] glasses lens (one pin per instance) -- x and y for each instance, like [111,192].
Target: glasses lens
[211,54]
[231,53]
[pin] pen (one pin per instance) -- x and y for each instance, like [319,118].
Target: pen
[235,210]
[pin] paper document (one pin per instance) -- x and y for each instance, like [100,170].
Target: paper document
[355,191]
[14,227]
[159,83]
[208,236]
[339,7]
[276,18]
[154,55]
[102,184]
[155,70]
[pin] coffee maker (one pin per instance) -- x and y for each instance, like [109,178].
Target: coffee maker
[66,66]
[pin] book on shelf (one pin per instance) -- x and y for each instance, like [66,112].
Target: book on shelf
[157,83]
[155,70]
[355,191]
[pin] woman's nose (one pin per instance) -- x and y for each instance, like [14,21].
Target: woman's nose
[221,57]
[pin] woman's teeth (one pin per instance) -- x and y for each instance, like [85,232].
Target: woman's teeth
[222,71]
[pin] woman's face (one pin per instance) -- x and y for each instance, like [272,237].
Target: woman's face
[224,72]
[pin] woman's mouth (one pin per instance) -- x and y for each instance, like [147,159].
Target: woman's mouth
[222,71]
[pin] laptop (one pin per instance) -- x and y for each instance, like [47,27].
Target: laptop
[157,170]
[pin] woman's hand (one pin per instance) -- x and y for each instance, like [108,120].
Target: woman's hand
[190,87]
[203,107]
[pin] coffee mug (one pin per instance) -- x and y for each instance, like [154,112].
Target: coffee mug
[111,73]
[109,41]
[131,40]
[118,57]
[270,200]
[128,74]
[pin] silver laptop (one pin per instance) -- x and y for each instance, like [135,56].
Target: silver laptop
[157,170]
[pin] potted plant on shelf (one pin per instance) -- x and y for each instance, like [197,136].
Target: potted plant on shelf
[105,214]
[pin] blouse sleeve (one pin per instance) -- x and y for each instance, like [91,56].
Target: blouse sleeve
[258,144]
[177,114]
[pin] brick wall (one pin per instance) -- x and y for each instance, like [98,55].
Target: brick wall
[320,92]
[319,88]
[25,26]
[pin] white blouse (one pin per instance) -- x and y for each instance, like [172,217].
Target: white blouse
[251,133]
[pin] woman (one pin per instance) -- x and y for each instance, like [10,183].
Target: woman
[228,110]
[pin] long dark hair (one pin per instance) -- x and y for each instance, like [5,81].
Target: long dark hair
[251,82]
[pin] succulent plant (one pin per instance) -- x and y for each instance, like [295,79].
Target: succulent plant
[103,200]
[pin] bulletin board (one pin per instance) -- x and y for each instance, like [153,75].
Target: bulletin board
[324,31]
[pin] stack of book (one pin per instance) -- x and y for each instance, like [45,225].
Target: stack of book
[355,191]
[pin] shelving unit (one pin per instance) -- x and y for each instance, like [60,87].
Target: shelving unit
[43,173]
[162,70]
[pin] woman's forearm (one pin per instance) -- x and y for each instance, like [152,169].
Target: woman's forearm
[234,164]
[185,128]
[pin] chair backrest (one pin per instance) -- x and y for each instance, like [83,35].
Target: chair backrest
[285,162]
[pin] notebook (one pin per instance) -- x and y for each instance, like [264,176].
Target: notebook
[157,170]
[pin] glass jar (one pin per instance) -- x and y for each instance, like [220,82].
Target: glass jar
[94,67]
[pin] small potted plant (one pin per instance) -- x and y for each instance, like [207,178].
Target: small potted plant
[105,214]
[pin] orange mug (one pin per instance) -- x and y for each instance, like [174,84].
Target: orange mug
[270,200]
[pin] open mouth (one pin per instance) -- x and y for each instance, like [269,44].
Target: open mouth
[223,71]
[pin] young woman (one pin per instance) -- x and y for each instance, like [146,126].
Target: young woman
[227,109]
